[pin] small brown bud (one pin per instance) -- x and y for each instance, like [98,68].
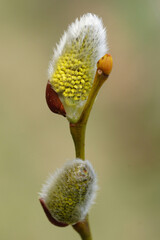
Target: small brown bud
[105,64]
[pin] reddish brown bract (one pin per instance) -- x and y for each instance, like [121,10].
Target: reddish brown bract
[49,216]
[53,101]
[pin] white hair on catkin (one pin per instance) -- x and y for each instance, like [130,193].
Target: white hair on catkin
[96,38]
[78,177]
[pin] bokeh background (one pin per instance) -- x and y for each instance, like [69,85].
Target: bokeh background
[123,134]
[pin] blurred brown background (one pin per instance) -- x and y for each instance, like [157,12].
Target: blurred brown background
[123,134]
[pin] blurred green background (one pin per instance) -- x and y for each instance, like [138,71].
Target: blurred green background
[123,134]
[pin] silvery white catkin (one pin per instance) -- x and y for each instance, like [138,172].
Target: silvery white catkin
[70,191]
[72,68]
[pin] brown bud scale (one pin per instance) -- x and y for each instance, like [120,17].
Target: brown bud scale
[49,216]
[53,101]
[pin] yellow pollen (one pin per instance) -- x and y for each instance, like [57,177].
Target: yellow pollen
[74,73]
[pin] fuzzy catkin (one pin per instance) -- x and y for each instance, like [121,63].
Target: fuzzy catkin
[73,65]
[70,192]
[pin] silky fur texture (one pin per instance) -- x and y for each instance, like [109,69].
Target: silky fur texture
[74,31]
[70,191]
[73,65]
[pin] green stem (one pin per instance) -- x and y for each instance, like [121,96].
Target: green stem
[78,134]
[78,129]
[83,229]
[99,79]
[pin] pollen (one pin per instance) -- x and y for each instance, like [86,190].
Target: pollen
[74,71]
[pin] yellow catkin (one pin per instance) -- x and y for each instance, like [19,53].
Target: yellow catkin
[73,73]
